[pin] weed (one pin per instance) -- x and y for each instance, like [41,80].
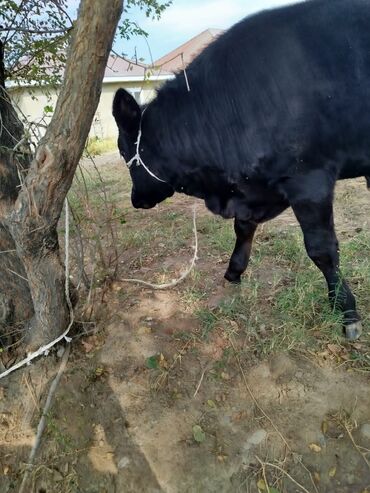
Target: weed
[96,146]
[58,435]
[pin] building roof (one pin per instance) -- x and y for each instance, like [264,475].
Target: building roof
[120,68]
[176,60]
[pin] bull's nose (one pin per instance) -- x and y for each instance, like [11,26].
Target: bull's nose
[141,204]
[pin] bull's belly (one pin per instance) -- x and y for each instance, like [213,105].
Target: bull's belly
[353,169]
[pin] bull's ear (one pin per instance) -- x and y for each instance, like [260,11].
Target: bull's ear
[126,112]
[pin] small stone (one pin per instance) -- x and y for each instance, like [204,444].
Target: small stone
[365,430]
[351,478]
[124,462]
[314,447]
[256,438]
[57,476]
[60,351]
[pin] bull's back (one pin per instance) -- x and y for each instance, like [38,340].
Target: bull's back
[293,81]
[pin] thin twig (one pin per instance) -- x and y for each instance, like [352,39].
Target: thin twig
[263,465]
[18,275]
[286,474]
[200,381]
[175,282]
[31,391]
[42,423]
[355,444]
[34,31]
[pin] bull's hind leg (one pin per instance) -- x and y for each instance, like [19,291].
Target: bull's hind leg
[316,221]
[244,231]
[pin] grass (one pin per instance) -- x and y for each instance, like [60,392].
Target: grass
[282,302]
[96,146]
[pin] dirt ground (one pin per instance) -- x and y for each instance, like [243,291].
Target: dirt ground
[171,391]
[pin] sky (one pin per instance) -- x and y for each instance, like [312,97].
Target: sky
[183,20]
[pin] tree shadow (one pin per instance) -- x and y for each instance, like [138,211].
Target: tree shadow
[86,446]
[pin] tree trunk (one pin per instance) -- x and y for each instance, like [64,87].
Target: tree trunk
[32,219]
[15,298]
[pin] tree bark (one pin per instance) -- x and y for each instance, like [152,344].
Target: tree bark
[15,299]
[32,219]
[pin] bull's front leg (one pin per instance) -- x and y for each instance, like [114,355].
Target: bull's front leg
[244,231]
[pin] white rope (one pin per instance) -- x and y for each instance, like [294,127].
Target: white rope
[137,156]
[175,282]
[185,74]
[45,349]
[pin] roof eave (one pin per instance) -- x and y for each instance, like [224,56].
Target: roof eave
[107,80]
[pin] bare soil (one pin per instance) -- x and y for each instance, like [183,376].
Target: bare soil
[150,404]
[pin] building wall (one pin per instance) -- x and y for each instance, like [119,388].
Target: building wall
[31,103]
[104,125]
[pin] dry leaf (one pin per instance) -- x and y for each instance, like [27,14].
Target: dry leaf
[316,476]
[87,346]
[221,458]
[239,416]
[261,485]
[144,330]
[324,427]
[334,348]
[332,472]
[162,362]
[314,447]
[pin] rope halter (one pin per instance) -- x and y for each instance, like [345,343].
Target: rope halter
[137,157]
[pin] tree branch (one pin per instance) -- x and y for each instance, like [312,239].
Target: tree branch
[35,31]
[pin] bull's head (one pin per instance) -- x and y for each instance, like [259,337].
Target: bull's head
[147,190]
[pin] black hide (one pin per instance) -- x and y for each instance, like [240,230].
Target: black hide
[279,109]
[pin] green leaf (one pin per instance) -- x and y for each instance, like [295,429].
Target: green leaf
[152,362]
[198,434]
[48,109]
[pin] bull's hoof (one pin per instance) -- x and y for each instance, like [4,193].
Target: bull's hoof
[353,331]
[234,278]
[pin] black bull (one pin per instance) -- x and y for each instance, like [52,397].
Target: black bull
[278,110]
